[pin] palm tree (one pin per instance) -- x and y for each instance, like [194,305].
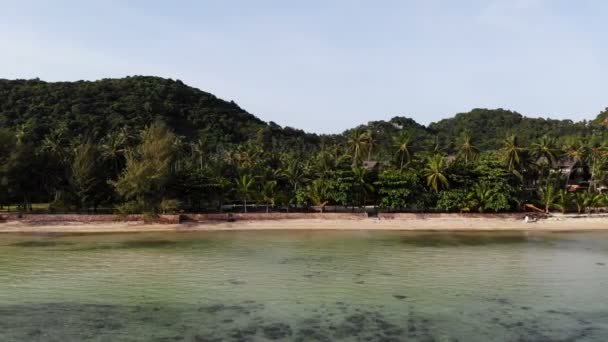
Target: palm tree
[198,150]
[435,173]
[113,149]
[360,183]
[579,199]
[357,143]
[295,173]
[513,154]
[371,141]
[481,196]
[544,154]
[268,194]
[403,144]
[575,150]
[317,193]
[545,148]
[548,194]
[563,200]
[597,155]
[467,150]
[243,188]
[593,200]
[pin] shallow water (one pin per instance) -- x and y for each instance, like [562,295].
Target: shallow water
[304,286]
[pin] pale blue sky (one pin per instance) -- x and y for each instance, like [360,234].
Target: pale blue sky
[325,65]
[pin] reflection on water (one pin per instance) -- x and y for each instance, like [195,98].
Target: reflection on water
[304,286]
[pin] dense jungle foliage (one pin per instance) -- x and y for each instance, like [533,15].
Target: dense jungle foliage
[152,145]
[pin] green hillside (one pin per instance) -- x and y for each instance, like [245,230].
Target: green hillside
[152,145]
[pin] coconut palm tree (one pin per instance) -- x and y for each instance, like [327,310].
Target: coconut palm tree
[435,173]
[198,150]
[361,186]
[358,143]
[563,200]
[403,144]
[513,154]
[575,150]
[371,142]
[579,199]
[593,200]
[481,195]
[317,193]
[545,148]
[244,186]
[466,149]
[544,154]
[268,194]
[295,172]
[598,151]
[113,149]
[548,194]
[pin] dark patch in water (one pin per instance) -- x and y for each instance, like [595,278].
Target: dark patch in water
[400,296]
[40,243]
[277,331]
[244,334]
[148,243]
[441,240]
[221,322]
[310,259]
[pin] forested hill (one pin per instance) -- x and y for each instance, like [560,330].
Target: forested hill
[489,127]
[152,145]
[90,110]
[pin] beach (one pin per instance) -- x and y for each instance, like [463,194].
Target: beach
[443,223]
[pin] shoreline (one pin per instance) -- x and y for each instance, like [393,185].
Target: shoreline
[437,224]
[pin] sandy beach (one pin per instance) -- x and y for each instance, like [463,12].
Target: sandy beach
[430,224]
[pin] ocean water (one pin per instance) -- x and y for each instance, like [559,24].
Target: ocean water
[304,286]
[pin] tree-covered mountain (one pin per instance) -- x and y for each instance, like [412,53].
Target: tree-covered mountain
[91,110]
[147,144]
[491,126]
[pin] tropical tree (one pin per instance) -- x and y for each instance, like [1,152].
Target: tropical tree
[403,143]
[317,192]
[545,154]
[575,150]
[371,142]
[548,194]
[361,187]
[481,196]
[598,151]
[198,150]
[358,142]
[113,149]
[563,200]
[513,154]
[467,151]
[244,188]
[435,173]
[296,174]
[400,190]
[86,177]
[143,182]
[268,193]
[545,148]
[593,200]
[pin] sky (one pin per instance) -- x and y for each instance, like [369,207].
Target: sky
[328,65]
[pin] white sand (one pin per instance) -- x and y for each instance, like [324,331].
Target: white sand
[437,224]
